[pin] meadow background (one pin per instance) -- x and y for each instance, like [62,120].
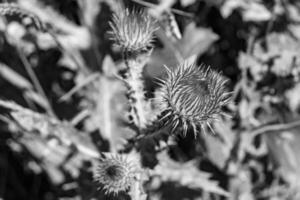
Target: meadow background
[57,59]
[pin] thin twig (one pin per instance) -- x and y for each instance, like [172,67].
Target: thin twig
[275,127]
[87,151]
[35,80]
[176,11]
[75,89]
[79,117]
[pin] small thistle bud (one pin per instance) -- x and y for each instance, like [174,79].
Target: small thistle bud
[116,173]
[133,30]
[192,96]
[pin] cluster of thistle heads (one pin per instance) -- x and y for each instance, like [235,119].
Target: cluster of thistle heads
[190,97]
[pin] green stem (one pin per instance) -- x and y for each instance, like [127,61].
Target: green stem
[135,85]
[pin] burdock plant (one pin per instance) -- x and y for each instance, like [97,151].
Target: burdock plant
[132,31]
[192,96]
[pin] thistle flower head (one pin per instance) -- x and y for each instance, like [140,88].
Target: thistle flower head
[192,96]
[133,30]
[116,173]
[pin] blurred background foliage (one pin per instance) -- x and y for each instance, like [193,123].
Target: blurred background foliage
[70,73]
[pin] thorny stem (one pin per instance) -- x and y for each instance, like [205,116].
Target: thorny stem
[158,129]
[134,83]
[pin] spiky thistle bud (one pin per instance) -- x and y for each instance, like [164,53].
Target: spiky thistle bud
[116,173]
[133,30]
[192,96]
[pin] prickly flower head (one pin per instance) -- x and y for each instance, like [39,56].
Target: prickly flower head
[116,173]
[192,96]
[133,30]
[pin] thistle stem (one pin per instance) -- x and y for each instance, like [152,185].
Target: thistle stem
[134,83]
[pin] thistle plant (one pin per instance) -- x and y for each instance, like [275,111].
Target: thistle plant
[132,32]
[192,96]
[116,173]
[66,136]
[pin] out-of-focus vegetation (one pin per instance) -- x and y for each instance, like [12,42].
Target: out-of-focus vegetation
[65,100]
